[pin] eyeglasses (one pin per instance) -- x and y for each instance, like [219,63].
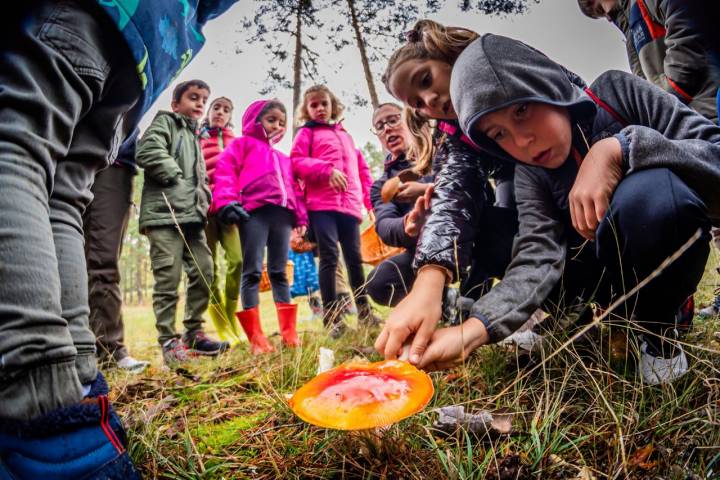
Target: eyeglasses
[392,121]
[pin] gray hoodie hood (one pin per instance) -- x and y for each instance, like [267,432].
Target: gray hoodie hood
[494,72]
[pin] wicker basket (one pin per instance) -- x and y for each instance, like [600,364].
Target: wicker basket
[265,278]
[373,250]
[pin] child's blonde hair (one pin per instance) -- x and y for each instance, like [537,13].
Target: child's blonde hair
[428,40]
[206,120]
[336,109]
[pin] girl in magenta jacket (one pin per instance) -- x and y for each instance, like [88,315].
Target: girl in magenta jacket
[216,134]
[255,188]
[337,182]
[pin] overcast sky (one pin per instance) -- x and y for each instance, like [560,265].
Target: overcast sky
[556,27]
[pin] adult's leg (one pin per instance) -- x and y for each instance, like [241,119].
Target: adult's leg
[105,224]
[166,255]
[325,230]
[651,215]
[61,118]
[198,265]
[277,252]
[391,281]
[349,238]
[254,232]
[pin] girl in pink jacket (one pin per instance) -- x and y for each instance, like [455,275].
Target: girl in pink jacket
[215,136]
[255,188]
[337,185]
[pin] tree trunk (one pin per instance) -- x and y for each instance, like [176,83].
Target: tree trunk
[363,55]
[297,62]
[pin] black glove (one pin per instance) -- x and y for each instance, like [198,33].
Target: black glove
[233,214]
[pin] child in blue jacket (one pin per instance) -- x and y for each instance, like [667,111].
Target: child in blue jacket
[75,77]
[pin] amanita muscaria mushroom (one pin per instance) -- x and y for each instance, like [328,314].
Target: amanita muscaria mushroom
[358,396]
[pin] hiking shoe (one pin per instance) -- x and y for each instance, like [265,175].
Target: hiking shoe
[367,318]
[656,369]
[337,330]
[346,304]
[82,441]
[174,352]
[199,344]
[132,365]
[712,310]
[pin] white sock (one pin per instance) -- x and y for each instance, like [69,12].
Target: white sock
[86,389]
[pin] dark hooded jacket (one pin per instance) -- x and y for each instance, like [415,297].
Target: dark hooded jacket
[389,217]
[461,195]
[654,128]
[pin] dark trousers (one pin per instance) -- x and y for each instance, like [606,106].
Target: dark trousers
[329,229]
[269,226]
[67,83]
[105,224]
[651,215]
[392,280]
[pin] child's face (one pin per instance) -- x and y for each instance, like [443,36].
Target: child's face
[604,8]
[319,106]
[394,130]
[192,102]
[425,86]
[273,121]
[220,113]
[534,133]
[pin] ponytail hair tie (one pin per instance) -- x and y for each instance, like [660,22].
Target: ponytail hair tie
[412,36]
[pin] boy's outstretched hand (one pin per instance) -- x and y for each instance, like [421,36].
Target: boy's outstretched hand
[450,346]
[598,176]
[415,317]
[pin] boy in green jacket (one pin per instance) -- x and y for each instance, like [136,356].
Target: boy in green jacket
[173,212]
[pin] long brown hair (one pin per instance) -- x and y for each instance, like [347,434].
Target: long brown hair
[428,40]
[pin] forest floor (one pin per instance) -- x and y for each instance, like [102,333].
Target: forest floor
[578,414]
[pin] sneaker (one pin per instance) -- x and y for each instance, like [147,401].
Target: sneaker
[174,352]
[656,369]
[85,440]
[337,330]
[132,365]
[712,310]
[199,344]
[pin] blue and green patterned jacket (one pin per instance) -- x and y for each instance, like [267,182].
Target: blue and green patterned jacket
[163,36]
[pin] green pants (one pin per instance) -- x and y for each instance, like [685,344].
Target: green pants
[169,255]
[222,308]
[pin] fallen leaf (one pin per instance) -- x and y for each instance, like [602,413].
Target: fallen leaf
[640,458]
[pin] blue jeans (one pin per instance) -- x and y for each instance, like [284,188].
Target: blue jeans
[67,86]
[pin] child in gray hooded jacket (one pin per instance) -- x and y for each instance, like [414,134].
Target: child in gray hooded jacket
[622,164]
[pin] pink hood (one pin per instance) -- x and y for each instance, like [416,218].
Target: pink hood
[250,171]
[317,149]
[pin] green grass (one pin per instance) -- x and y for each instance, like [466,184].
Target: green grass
[576,416]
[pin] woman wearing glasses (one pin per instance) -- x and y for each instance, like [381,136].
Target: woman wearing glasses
[390,281]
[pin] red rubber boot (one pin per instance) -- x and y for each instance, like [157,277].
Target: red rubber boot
[287,318]
[250,322]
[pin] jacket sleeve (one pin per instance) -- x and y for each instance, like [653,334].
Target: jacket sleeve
[685,64]
[665,133]
[456,207]
[301,216]
[538,259]
[227,175]
[366,179]
[152,153]
[309,169]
